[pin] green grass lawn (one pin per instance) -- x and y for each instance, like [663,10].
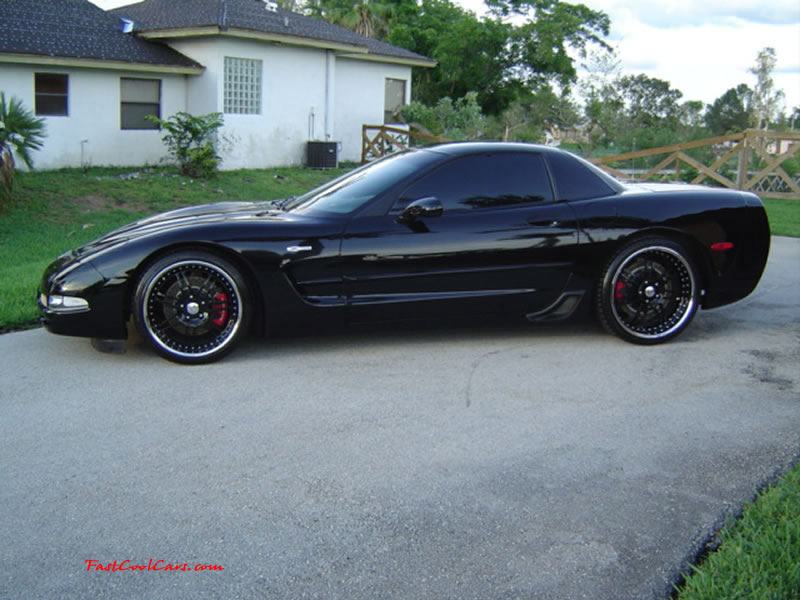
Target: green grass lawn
[759,557]
[784,216]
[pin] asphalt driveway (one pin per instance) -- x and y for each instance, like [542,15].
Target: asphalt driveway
[479,463]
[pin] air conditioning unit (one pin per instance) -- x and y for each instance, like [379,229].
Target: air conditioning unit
[271,5]
[322,155]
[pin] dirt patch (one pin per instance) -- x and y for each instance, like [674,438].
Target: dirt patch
[91,203]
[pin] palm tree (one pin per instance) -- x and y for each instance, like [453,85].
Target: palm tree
[20,134]
[370,18]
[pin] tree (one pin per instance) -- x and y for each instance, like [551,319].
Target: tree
[471,53]
[691,120]
[766,99]
[497,57]
[528,117]
[649,101]
[602,102]
[369,18]
[20,134]
[731,112]
[540,46]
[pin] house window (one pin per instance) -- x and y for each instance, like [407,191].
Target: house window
[139,97]
[51,94]
[242,92]
[394,99]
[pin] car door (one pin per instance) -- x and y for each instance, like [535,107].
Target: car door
[499,243]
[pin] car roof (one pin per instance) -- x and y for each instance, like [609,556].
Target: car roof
[461,148]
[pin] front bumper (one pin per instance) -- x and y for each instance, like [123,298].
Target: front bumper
[75,299]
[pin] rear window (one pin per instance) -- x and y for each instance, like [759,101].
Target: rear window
[575,179]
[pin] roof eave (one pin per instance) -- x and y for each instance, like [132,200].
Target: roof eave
[96,63]
[400,60]
[190,32]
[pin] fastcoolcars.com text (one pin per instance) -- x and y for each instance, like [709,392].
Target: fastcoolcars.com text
[152,565]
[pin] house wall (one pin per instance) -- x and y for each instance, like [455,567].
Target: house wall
[360,94]
[293,100]
[94,117]
[292,90]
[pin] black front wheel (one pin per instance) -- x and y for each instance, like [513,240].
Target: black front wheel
[191,307]
[649,292]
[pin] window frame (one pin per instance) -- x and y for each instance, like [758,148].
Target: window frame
[236,98]
[39,109]
[387,111]
[145,125]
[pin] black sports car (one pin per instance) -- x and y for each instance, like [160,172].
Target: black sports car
[453,230]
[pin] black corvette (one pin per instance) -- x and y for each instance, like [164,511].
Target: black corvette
[465,229]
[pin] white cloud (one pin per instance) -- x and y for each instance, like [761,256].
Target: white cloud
[679,13]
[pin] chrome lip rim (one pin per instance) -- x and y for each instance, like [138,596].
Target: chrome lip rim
[686,305]
[154,331]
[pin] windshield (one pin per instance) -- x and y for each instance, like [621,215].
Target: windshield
[354,189]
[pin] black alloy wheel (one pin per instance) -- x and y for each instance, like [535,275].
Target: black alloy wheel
[649,292]
[191,307]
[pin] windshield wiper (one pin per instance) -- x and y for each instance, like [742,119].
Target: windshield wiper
[283,202]
[276,205]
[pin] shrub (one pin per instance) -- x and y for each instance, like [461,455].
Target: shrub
[191,141]
[459,120]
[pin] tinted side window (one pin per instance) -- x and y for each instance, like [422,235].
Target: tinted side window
[484,181]
[574,180]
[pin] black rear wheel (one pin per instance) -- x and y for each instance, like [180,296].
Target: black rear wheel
[191,307]
[649,292]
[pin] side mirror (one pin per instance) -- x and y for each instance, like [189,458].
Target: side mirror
[423,207]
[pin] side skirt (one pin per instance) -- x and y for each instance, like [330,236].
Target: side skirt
[563,308]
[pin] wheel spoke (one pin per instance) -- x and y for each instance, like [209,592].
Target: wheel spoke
[652,293]
[192,308]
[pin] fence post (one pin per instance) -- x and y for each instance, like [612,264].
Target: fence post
[744,162]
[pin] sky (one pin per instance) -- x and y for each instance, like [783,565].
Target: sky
[701,48]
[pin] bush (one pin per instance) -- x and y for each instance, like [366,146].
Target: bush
[459,120]
[20,133]
[191,141]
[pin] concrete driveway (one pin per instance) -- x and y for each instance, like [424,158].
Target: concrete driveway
[486,463]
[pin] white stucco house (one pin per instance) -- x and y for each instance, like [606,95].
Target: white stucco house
[280,79]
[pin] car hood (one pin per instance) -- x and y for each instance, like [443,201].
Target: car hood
[221,212]
[204,213]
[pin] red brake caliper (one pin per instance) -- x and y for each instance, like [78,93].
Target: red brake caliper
[221,308]
[618,288]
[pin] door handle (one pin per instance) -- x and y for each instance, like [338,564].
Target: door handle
[544,223]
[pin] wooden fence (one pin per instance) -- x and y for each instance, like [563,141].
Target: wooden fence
[771,147]
[379,140]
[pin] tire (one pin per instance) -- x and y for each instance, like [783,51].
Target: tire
[191,307]
[649,292]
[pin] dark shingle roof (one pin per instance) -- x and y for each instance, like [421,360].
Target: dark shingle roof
[250,15]
[77,29]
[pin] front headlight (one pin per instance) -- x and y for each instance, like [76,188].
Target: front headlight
[64,304]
